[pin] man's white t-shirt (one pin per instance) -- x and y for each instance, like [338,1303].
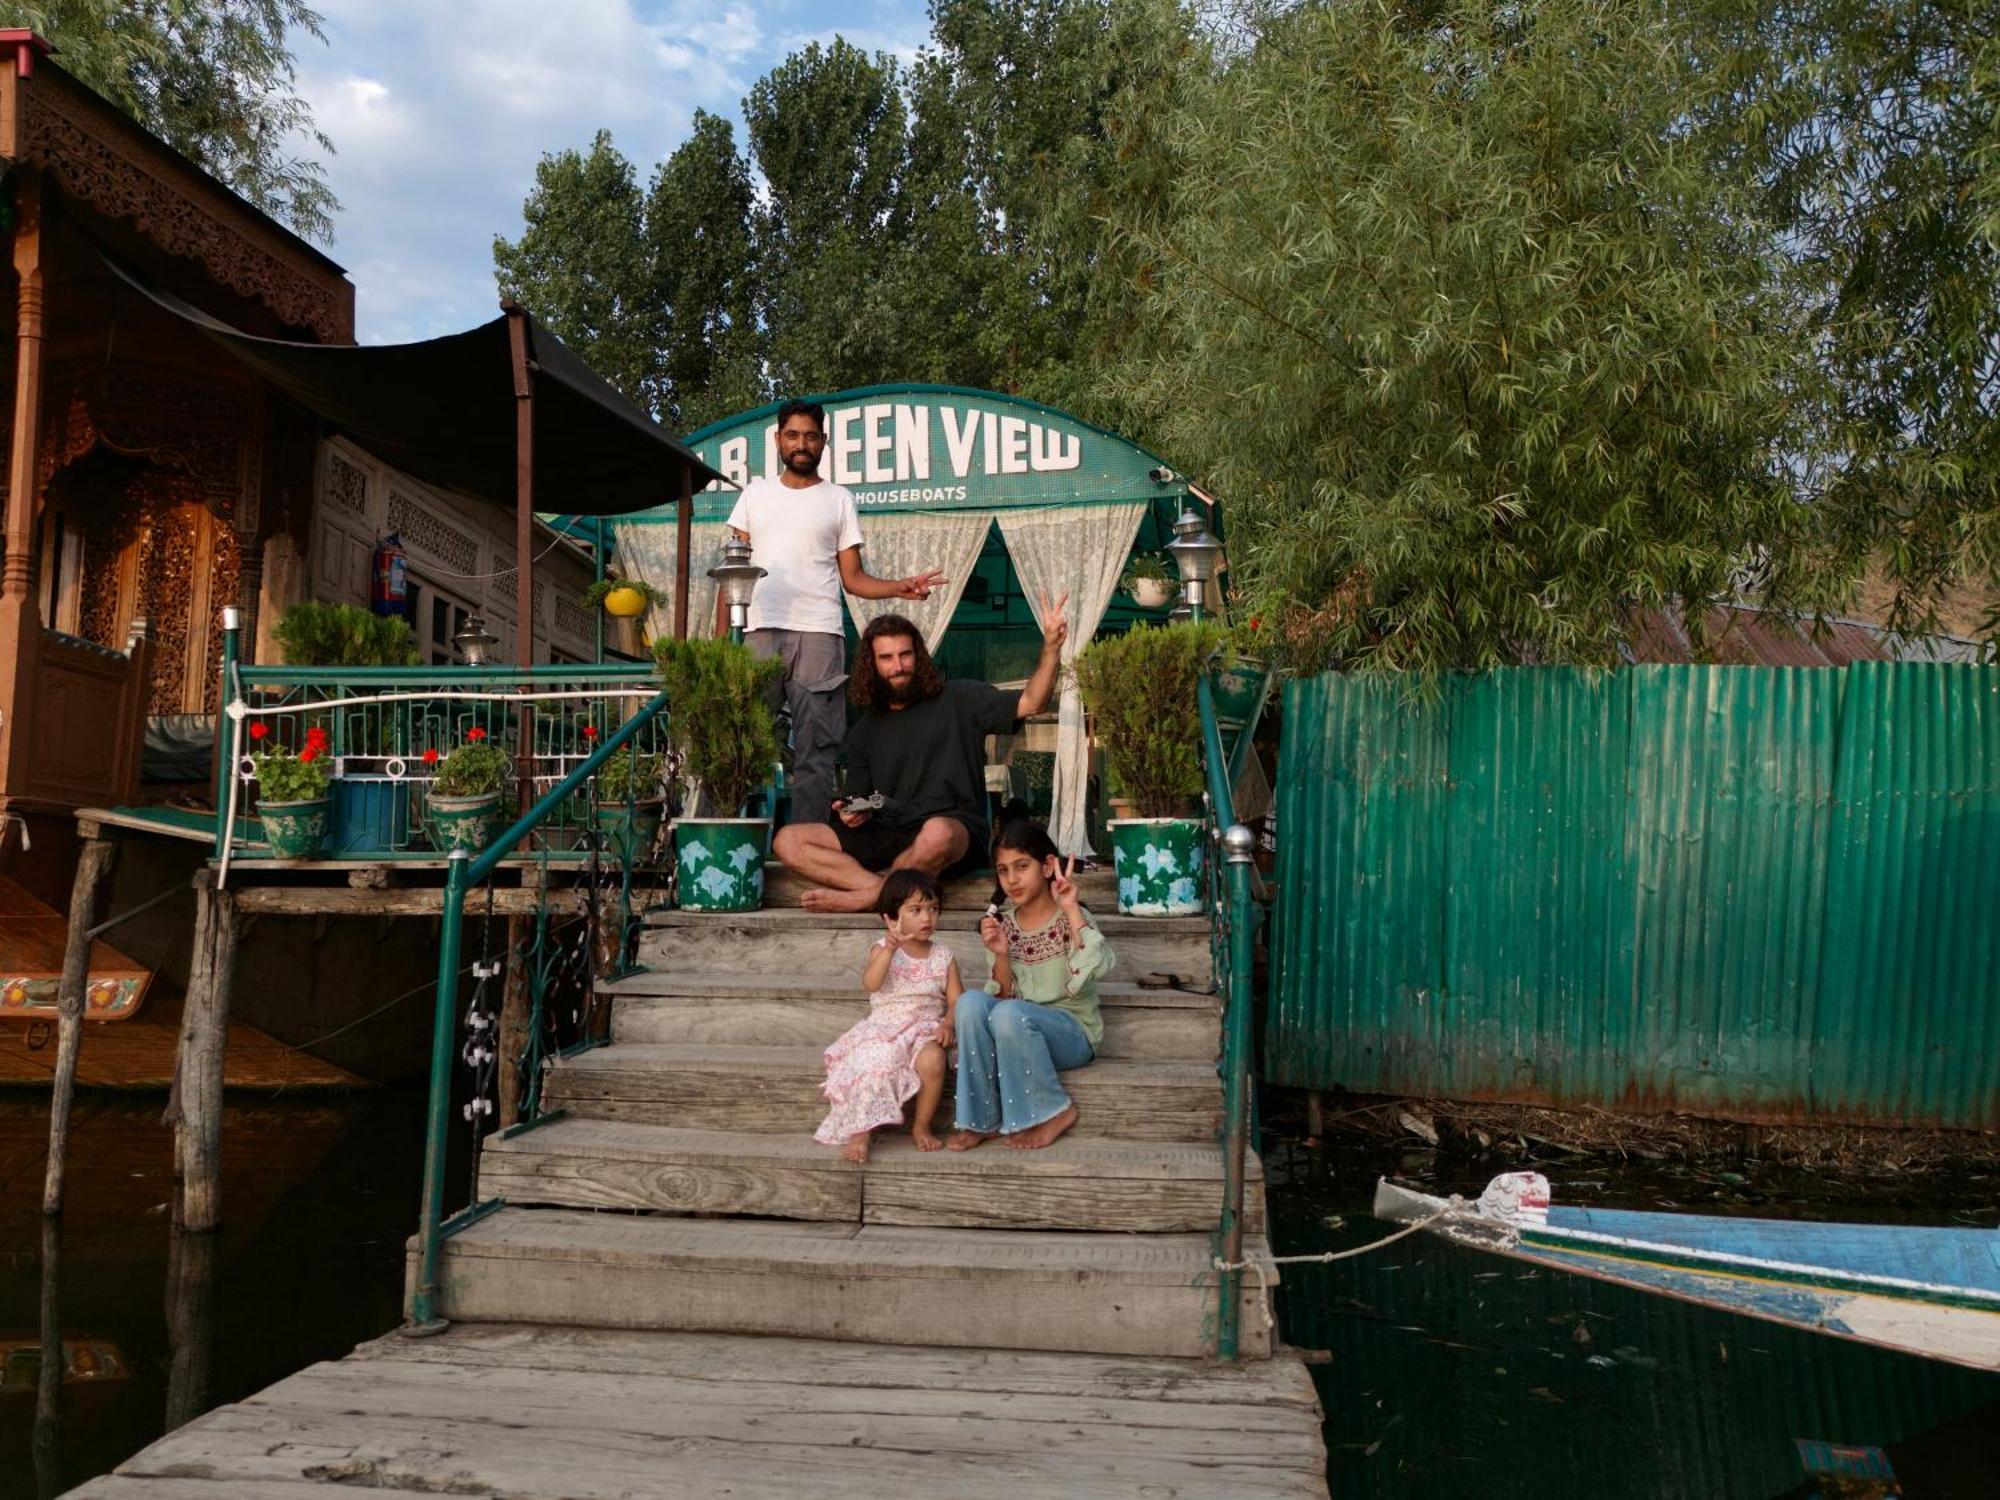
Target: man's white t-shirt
[797,537]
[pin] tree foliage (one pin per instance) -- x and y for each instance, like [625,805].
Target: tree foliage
[1478,347]
[213,78]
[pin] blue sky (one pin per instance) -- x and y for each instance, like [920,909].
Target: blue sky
[439,110]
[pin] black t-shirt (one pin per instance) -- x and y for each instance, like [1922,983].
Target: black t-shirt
[930,758]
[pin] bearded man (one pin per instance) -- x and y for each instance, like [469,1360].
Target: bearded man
[921,744]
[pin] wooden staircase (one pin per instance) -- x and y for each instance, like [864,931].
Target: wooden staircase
[682,1190]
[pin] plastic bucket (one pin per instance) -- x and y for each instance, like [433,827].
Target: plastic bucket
[720,863]
[1159,865]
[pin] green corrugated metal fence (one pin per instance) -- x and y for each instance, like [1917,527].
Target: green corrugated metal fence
[1746,891]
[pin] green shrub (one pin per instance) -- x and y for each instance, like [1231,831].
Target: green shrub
[285,777]
[719,716]
[595,595]
[1140,690]
[312,634]
[627,777]
[474,769]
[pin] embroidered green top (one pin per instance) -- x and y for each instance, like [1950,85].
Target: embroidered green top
[1050,971]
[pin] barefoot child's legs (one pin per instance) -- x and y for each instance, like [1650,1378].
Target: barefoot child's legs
[856,1149]
[930,1069]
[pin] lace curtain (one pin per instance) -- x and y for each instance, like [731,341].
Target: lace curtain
[646,551]
[1080,550]
[895,546]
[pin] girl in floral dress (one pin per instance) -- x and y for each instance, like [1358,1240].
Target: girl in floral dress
[899,1049]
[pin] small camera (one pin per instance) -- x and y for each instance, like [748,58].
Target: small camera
[1162,475]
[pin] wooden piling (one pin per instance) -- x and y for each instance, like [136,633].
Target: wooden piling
[1315,1114]
[195,1108]
[93,864]
[190,1313]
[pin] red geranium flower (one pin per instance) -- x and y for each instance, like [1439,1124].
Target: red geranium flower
[1256,622]
[430,757]
[316,736]
[258,731]
[475,735]
[309,753]
[590,731]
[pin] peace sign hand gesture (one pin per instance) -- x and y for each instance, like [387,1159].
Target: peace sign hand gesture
[893,936]
[1062,885]
[1055,622]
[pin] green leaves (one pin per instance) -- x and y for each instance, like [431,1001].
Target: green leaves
[1140,690]
[719,716]
[312,634]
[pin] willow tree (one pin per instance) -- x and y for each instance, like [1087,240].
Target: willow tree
[1481,351]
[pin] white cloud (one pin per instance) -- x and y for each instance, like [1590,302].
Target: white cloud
[439,114]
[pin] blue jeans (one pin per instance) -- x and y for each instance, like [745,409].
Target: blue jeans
[1008,1055]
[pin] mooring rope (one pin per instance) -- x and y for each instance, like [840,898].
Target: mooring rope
[1256,1267]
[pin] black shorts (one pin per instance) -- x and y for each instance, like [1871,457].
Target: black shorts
[877,846]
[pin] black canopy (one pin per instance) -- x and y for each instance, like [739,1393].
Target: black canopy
[444,410]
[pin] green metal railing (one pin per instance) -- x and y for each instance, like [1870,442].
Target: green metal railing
[1233,936]
[387,727]
[464,872]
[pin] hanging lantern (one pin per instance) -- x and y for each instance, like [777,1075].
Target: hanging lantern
[1198,555]
[736,580]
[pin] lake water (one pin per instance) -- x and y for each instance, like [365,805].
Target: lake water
[1450,1373]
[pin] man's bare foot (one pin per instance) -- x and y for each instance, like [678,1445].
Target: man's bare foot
[822,898]
[965,1140]
[925,1139]
[856,1149]
[1044,1134]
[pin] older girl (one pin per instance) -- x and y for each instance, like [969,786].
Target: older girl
[1038,1014]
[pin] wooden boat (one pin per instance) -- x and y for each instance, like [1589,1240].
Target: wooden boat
[1933,1292]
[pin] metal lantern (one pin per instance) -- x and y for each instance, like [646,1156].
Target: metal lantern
[472,642]
[736,580]
[1197,554]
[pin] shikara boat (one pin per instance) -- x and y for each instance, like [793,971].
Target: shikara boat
[1933,1292]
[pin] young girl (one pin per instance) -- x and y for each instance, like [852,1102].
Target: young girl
[899,1049]
[1039,1013]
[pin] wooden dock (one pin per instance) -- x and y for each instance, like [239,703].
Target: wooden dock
[682,1295]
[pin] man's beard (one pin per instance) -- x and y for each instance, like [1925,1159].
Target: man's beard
[802,463]
[900,691]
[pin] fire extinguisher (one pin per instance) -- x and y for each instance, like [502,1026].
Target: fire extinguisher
[391,591]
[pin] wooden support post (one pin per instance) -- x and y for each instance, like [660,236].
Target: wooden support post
[47,1440]
[195,1109]
[514,1020]
[190,1312]
[1315,1114]
[683,539]
[93,863]
[20,621]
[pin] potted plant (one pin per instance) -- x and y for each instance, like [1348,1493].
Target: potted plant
[630,802]
[370,813]
[624,598]
[291,793]
[466,810]
[1150,580]
[719,719]
[1140,689]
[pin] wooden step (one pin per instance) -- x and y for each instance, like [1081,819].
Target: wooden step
[777,1089]
[774,941]
[1098,888]
[1078,1183]
[965,1288]
[780,1012]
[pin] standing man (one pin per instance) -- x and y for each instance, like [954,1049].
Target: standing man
[806,533]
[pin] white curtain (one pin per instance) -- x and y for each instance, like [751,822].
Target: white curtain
[1080,550]
[646,551]
[896,546]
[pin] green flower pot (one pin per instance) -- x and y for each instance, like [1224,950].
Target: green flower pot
[1159,864]
[721,862]
[1237,688]
[295,830]
[629,832]
[468,823]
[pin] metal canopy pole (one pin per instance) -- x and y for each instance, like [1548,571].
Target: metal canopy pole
[684,537]
[524,537]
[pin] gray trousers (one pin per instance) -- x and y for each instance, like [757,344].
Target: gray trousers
[814,689]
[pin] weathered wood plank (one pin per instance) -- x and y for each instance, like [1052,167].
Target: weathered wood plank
[1130,1030]
[1098,889]
[345,901]
[1107,1294]
[695,984]
[777,1089]
[1079,1183]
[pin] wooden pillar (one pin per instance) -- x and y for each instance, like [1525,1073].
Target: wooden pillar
[524,542]
[47,1440]
[93,863]
[683,539]
[20,622]
[1315,1114]
[515,1019]
[195,1108]
[190,1310]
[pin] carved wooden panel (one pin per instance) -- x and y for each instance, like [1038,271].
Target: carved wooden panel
[424,531]
[346,484]
[83,739]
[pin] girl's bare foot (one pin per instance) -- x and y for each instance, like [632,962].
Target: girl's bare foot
[925,1139]
[965,1140]
[1044,1134]
[856,1149]
[824,898]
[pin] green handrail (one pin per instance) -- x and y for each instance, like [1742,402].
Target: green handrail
[462,873]
[1233,951]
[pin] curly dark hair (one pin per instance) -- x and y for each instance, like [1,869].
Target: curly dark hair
[903,884]
[811,410]
[867,689]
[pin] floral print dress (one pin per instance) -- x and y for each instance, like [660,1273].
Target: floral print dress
[871,1072]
